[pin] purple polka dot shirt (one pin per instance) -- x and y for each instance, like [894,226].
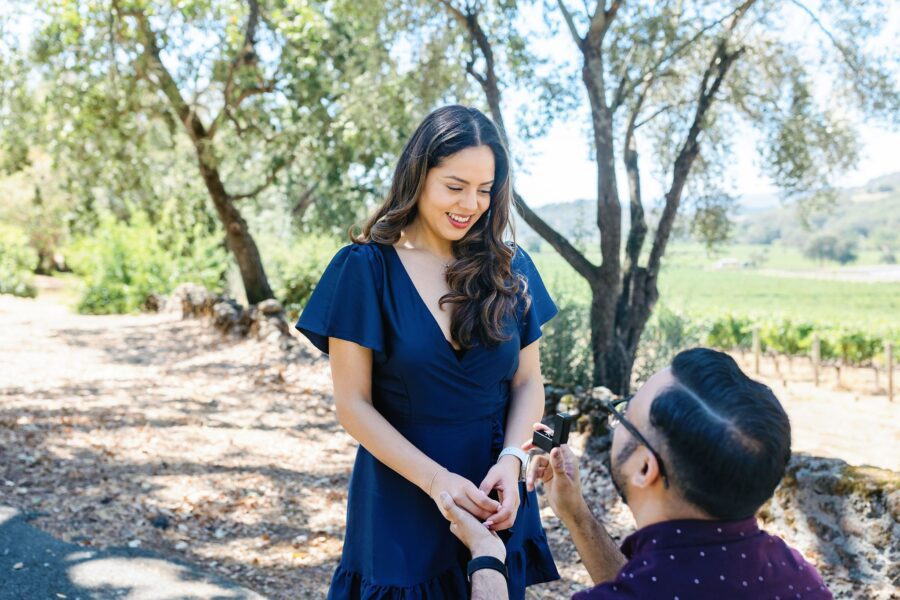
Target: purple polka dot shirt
[710,560]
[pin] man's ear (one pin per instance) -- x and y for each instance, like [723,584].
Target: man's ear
[647,472]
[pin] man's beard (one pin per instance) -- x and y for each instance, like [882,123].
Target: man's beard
[615,469]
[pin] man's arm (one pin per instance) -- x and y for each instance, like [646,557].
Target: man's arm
[559,474]
[599,553]
[487,584]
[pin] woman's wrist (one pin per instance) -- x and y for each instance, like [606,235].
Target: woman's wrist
[429,488]
[511,464]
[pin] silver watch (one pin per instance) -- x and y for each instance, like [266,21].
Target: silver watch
[518,453]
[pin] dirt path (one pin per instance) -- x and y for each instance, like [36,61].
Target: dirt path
[154,432]
[850,419]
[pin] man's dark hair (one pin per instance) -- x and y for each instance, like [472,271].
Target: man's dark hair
[727,439]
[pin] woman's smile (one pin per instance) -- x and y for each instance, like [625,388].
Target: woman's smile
[459,221]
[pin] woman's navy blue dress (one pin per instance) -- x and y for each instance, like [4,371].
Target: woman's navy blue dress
[397,543]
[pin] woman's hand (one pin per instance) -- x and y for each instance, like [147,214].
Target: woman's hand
[503,477]
[463,493]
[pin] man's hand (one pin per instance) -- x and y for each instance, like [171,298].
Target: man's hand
[480,540]
[559,474]
[503,477]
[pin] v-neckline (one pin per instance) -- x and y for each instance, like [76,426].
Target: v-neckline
[424,305]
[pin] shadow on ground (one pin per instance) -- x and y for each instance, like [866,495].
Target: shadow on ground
[36,565]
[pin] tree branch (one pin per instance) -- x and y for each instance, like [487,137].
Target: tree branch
[625,90]
[660,111]
[246,56]
[851,62]
[270,179]
[560,243]
[304,202]
[601,21]
[721,62]
[570,22]
[166,83]
[491,87]
[638,228]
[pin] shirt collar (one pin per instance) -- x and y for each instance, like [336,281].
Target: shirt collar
[687,532]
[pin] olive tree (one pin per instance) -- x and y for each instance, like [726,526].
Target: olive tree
[679,77]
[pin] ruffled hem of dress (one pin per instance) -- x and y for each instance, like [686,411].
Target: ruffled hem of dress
[536,560]
[350,585]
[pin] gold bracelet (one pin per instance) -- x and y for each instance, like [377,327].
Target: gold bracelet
[433,477]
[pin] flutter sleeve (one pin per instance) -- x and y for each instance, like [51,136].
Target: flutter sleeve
[542,308]
[346,303]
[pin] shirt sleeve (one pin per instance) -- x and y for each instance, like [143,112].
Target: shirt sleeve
[542,308]
[346,302]
[605,591]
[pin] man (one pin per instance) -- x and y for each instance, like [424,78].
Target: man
[694,454]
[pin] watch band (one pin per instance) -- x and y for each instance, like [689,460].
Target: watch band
[487,562]
[518,453]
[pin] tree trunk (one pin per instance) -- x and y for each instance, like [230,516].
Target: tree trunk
[240,242]
[237,235]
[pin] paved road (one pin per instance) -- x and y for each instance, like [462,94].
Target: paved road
[37,566]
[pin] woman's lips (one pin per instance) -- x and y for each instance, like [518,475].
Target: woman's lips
[459,225]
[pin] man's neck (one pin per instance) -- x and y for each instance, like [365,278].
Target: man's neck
[652,511]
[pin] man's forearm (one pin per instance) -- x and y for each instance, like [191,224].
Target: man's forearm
[599,553]
[488,584]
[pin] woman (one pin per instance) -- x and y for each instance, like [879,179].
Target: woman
[431,322]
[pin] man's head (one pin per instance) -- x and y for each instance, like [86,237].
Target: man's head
[723,438]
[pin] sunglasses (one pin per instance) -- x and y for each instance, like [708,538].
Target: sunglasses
[616,410]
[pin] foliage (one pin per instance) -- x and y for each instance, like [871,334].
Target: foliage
[681,80]
[829,247]
[319,105]
[785,337]
[565,345]
[16,105]
[17,262]
[667,333]
[730,332]
[295,267]
[122,263]
[290,107]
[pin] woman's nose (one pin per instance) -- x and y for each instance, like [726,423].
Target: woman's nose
[470,200]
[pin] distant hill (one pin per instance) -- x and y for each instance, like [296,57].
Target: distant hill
[869,214]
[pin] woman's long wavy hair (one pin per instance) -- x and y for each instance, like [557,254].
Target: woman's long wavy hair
[482,284]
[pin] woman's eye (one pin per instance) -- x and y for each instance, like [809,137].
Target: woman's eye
[485,191]
[455,189]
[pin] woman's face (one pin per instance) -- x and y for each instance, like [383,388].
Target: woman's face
[457,192]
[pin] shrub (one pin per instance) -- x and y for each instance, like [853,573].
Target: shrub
[667,333]
[566,344]
[731,332]
[294,268]
[17,263]
[122,263]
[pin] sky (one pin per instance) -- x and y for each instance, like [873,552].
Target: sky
[558,168]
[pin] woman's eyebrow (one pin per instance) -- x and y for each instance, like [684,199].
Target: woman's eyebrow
[461,180]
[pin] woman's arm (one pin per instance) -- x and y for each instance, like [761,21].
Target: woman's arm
[351,373]
[527,402]
[526,407]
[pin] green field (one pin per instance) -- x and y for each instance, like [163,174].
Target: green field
[690,284]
